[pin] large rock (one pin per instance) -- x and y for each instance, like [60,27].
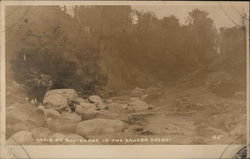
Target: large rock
[12,129]
[21,137]
[105,114]
[81,101]
[49,113]
[41,132]
[66,123]
[70,94]
[56,102]
[79,109]
[59,99]
[137,105]
[71,116]
[23,117]
[88,106]
[116,107]
[89,114]
[83,107]
[95,99]
[62,125]
[99,127]
[87,111]
[101,106]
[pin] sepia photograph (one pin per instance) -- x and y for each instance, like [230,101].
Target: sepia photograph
[126,74]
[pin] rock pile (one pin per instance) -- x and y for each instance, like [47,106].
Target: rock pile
[64,114]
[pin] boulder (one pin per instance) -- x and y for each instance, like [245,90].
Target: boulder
[59,99]
[61,125]
[85,107]
[99,127]
[21,137]
[41,132]
[49,113]
[101,106]
[57,102]
[116,107]
[89,114]
[137,105]
[23,117]
[79,109]
[69,94]
[11,129]
[88,106]
[95,99]
[87,111]
[109,101]
[104,114]
[71,116]
[81,101]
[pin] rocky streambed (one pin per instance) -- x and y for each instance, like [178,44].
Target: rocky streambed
[180,116]
[64,115]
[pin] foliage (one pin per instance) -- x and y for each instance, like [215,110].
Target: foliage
[91,50]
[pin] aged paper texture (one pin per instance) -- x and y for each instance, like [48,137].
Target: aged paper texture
[109,79]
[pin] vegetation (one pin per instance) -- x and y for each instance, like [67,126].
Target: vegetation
[91,50]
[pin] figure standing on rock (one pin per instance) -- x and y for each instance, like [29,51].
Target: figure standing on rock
[37,87]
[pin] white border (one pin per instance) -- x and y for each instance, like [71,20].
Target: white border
[116,151]
[172,3]
[2,82]
[248,83]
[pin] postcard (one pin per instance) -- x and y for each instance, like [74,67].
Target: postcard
[124,79]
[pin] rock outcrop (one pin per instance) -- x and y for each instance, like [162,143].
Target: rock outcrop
[116,107]
[41,132]
[95,99]
[23,117]
[99,126]
[137,105]
[60,99]
[21,137]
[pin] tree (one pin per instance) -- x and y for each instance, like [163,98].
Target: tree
[200,38]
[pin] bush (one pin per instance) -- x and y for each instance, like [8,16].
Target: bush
[32,68]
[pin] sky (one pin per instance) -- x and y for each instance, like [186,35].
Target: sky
[222,14]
